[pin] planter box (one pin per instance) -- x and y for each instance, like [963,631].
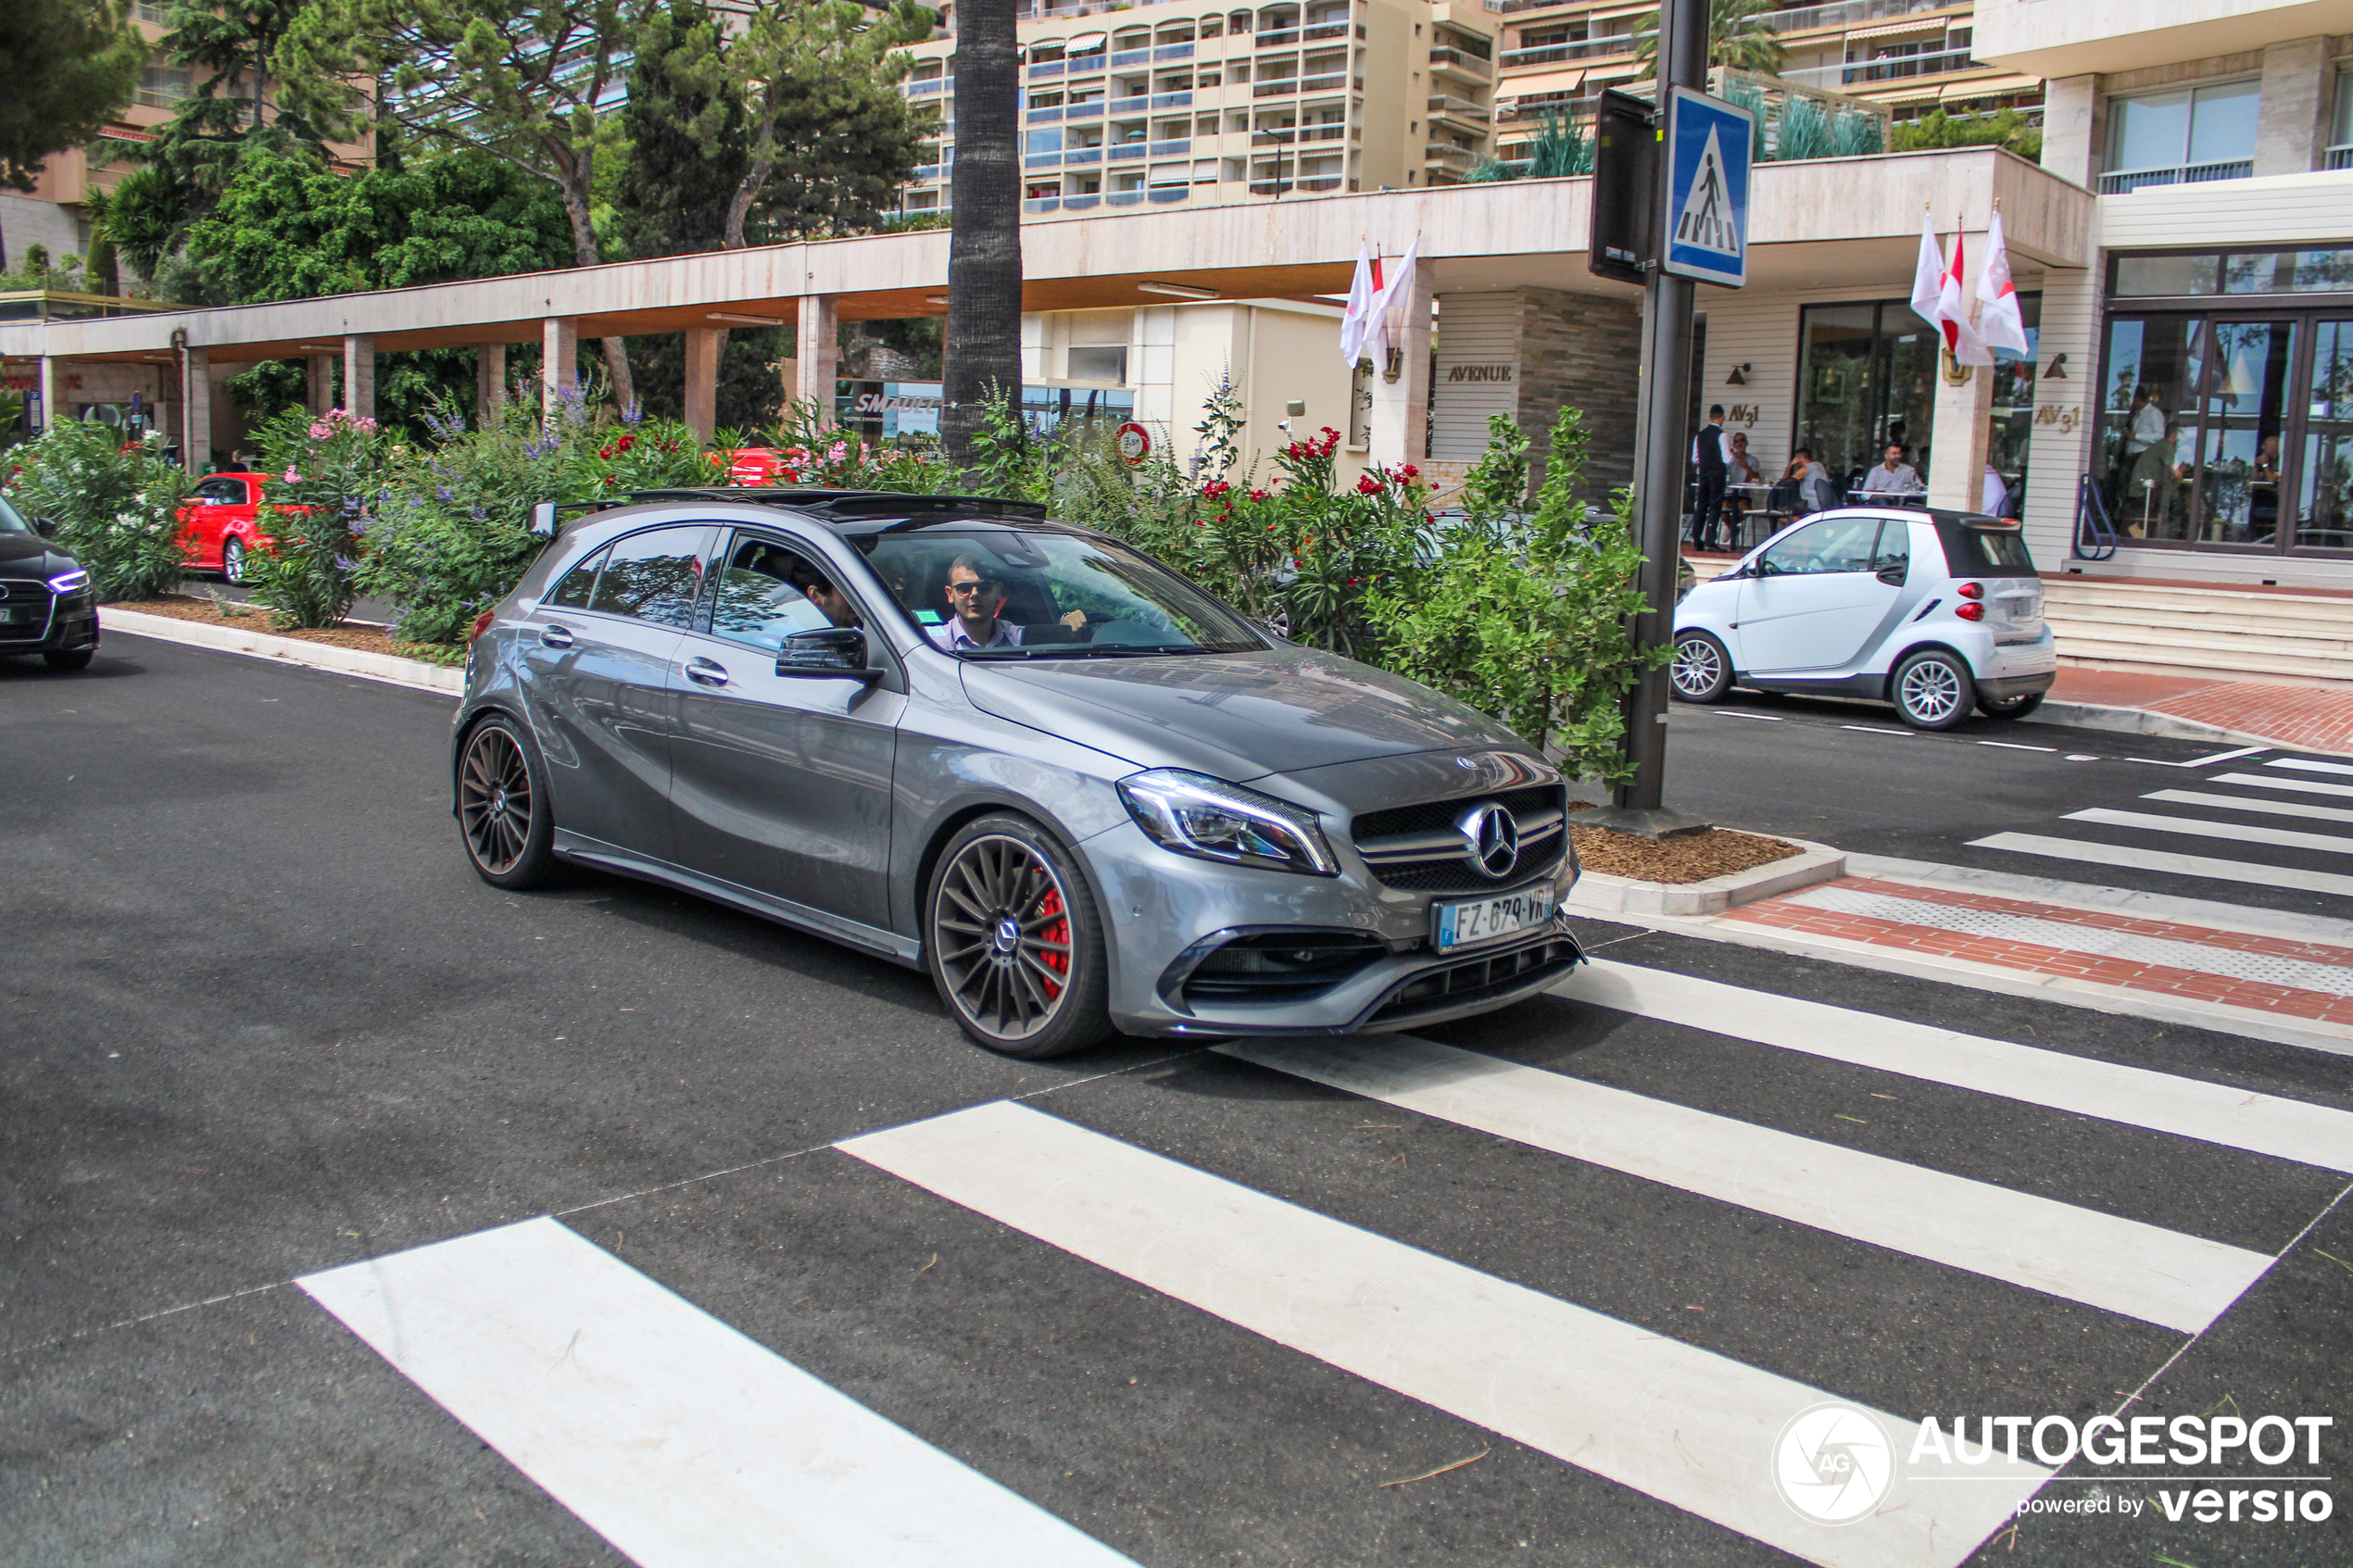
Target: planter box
[1600,893]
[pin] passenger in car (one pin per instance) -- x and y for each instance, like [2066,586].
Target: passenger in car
[826,597]
[974,599]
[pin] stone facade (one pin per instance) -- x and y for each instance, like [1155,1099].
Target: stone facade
[1581,349]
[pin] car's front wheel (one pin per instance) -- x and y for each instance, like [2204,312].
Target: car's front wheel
[503,807]
[1014,942]
[2009,707]
[1932,690]
[1702,670]
[233,560]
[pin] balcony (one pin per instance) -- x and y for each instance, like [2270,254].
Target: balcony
[1322,182]
[1323,132]
[1043,117]
[1083,154]
[1807,19]
[1610,48]
[1132,58]
[1084,111]
[1281,87]
[1048,68]
[1895,68]
[1269,187]
[1042,160]
[2077,39]
[1171,149]
[1277,40]
[1445,154]
[1127,152]
[927,89]
[1326,83]
[1461,62]
[1173,52]
[1444,108]
[1125,198]
[1131,106]
[2339,157]
[2127,179]
[1172,100]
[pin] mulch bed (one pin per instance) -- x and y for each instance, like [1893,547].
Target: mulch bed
[1687,858]
[366,639]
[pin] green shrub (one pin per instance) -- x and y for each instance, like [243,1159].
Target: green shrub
[116,505]
[330,479]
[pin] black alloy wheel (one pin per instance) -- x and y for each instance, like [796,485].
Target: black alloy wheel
[2009,707]
[502,806]
[1014,942]
[1702,670]
[233,560]
[1932,690]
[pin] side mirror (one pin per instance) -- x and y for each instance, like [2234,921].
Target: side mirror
[827,653]
[46,526]
[543,521]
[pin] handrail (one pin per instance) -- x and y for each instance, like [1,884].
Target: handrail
[2091,516]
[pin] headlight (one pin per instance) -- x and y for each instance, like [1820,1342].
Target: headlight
[68,582]
[1194,814]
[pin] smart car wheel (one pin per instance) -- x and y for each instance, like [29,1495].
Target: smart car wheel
[2009,707]
[1702,670]
[502,806]
[1932,690]
[232,558]
[1013,941]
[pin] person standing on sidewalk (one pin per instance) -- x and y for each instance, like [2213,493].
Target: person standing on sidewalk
[1710,452]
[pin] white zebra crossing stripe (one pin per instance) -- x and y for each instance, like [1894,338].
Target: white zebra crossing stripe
[1684,1425]
[2200,828]
[2216,1113]
[677,1439]
[2307,765]
[2213,868]
[2309,787]
[2120,1265]
[2303,811]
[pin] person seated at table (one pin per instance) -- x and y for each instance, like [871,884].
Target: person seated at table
[1892,474]
[1741,476]
[1810,484]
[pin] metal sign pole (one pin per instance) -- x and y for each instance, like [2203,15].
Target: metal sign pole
[1660,441]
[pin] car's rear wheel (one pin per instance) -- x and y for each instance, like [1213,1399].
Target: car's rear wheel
[503,807]
[1932,690]
[2009,707]
[233,560]
[78,660]
[1013,941]
[1702,670]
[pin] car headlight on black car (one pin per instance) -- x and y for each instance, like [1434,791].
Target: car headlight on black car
[68,582]
[1211,820]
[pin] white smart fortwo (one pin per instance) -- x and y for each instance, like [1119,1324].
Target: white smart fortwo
[1937,612]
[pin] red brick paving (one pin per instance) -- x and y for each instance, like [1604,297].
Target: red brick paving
[2303,718]
[2171,930]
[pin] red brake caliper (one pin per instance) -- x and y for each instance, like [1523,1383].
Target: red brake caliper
[1059,930]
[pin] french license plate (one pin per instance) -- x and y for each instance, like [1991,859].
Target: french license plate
[12,613]
[1466,923]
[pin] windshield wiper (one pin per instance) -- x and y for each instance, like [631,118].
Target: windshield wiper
[1089,650]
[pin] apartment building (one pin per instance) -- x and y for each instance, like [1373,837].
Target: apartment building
[1131,106]
[54,213]
[1912,56]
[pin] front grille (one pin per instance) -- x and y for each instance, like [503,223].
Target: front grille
[1386,840]
[1476,978]
[1288,966]
[18,597]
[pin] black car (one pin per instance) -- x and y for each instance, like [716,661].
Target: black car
[47,606]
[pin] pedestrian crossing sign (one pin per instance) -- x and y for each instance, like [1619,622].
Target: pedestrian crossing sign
[1709,144]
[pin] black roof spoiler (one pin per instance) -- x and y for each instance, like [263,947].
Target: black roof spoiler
[847,504]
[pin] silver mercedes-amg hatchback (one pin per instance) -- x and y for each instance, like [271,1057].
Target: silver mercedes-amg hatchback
[1080,792]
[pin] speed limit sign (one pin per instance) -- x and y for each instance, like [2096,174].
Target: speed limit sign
[1135,443]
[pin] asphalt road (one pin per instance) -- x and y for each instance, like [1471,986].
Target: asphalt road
[262,1021]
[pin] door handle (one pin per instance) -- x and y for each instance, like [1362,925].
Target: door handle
[706,672]
[554,637]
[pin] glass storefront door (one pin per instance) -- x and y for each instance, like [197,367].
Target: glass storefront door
[1865,377]
[2210,428]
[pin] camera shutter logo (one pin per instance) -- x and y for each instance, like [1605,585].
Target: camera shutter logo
[1832,1463]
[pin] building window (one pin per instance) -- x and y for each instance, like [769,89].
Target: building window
[160,87]
[2188,134]
[1108,365]
[2340,153]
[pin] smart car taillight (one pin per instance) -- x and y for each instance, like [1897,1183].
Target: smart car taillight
[481,625]
[1971,591]
[1970,612]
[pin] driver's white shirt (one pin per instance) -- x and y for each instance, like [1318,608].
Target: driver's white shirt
[955,639]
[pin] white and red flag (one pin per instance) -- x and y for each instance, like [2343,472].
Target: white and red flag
[1938,298]
[1361,318]
[1999,322]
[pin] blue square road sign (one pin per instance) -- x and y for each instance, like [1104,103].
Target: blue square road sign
[1707,217]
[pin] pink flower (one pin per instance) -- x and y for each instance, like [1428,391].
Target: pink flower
[292,477]
[320,430]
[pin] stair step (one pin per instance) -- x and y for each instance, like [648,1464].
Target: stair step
[2321,650]
[2295,677]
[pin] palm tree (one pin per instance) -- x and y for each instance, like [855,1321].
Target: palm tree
[1734,38]
[982,344]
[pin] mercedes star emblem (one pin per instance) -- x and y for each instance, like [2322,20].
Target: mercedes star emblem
[1492,834]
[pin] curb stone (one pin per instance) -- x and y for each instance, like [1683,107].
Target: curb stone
[1600,893]
[414,673]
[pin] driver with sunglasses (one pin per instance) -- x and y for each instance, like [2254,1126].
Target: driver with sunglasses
[974,599]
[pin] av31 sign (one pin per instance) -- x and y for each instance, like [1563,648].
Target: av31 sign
[1707,188]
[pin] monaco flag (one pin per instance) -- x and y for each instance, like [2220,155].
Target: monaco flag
[1360,322]
[1999,322]
[1938,298]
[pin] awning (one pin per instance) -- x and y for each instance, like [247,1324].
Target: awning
[1987,87]
[1920,26]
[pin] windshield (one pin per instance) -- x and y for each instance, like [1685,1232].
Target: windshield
[1006,595]
[10,521]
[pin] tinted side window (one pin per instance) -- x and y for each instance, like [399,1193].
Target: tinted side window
[1986,552]
[573,591]
[762,598]
[1835,544]
[222,492]
[654,576]
[1894,556]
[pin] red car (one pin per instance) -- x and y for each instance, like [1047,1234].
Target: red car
[222,524]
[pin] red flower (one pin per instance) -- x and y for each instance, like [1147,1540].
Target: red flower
[1214,489]
[1260,495]
[1409,471]
[1368,485]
